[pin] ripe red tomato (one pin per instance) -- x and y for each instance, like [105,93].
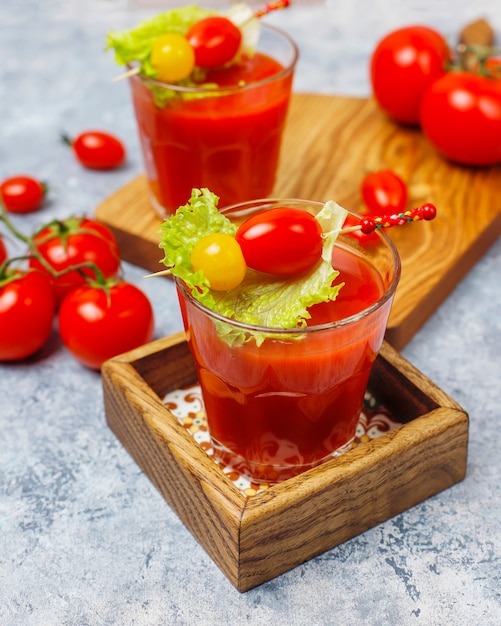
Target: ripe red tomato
[215,41]
[98,323]
[71,242]
[27,310]
[3,251]
[461,116]
[402,65]
[97,150]
[384,192]
[22,194]
[280,241]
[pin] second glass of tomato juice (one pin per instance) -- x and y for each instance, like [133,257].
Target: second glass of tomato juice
[224,134]
[282,401]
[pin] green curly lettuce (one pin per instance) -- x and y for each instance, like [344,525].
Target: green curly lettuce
[135,44]
[265,300]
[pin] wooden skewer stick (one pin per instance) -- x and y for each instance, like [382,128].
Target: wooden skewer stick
[132,72]
[269,8]
[166,272]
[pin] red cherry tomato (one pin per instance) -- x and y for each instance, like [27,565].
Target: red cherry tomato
[402,65]
[22,194]
[97,150]
[71,242]
[27,310]
[98,323]
[3,251]
[461,116]
[384,193]
[215,41]
[280,241]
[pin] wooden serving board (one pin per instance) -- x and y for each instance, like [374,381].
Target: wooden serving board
[330,142]
[257,538]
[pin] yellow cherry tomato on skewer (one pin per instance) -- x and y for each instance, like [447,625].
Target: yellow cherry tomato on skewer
[173,57]
[221,259]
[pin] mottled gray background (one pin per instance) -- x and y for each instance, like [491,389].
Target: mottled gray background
[84,537]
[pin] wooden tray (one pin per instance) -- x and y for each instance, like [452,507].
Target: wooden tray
[329,144]
[257,538]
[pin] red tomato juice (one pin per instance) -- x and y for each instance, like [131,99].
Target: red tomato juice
[285,406]
[229,142]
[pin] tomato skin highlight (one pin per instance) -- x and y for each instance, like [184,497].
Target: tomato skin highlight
[461,116]
[215,41]
[71,242]
[97,323]
[402,66]
[384,193]
[22,194]
[27,311]
[282,241]
[98,150]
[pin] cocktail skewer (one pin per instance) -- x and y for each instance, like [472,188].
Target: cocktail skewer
[268,8]
[369,224]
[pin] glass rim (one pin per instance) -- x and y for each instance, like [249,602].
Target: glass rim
[230,89]
[277,332]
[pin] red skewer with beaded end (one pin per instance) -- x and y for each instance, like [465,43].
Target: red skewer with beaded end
[368,225]
[272,6]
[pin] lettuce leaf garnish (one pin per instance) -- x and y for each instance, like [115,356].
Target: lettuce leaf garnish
[270,301]
[135,44]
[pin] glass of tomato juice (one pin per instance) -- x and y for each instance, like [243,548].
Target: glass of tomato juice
[280,407]
[224,134]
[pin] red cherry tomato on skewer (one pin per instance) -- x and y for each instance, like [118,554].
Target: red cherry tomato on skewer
[215,41]
[281,241]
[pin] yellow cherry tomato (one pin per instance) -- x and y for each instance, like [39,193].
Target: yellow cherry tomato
[173,57]
[221,259]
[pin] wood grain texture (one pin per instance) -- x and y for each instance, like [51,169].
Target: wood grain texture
[329,144]
[255,539]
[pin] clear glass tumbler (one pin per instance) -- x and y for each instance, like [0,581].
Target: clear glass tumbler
[226,136]
[286,405]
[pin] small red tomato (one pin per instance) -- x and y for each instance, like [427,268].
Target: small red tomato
[461,116]
[402,65]
[98,323]
[215,41]
[384,193]
[3,251]
[97,150]
[22,194]
[73,241]
[27,310]
[280,241]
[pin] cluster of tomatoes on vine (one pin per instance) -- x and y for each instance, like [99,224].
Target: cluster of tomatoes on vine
[453,95]
[70,270]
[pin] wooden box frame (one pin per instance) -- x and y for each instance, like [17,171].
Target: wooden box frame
[255,539]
